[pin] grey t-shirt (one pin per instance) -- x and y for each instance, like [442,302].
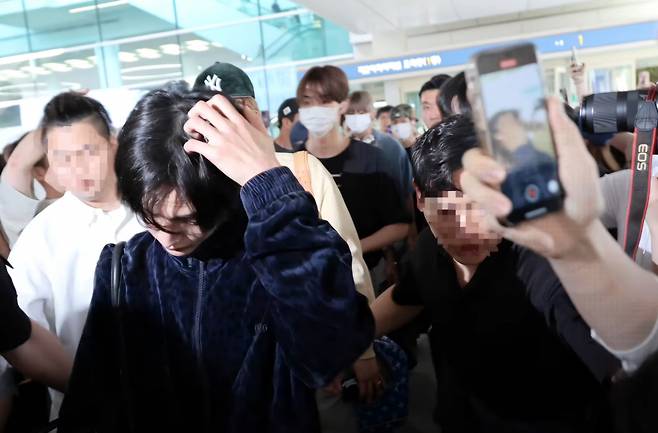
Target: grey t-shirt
[615,188]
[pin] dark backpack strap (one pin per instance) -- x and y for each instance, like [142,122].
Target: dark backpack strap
[115,274]
[116,277]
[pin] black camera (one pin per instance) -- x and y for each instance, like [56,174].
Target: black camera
[616,112]
[635,111]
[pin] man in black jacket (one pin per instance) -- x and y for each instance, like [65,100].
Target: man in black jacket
[510,351]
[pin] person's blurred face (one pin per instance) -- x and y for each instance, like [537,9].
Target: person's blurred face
[510,132]
[431,113]
[384,122]
[181,235]
[458,225]
[287,123]
[81,159]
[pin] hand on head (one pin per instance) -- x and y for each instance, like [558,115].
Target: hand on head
[228,140]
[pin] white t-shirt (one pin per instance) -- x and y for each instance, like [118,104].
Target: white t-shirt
[54,262]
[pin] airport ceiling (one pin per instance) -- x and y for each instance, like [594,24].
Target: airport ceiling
[425,16]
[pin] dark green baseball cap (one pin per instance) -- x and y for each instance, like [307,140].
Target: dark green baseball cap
[226,78]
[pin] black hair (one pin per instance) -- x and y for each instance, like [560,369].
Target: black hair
[434,83]
[635,399]
[70,107]
[382,110]
[438,153]
[151,162]
[456,86]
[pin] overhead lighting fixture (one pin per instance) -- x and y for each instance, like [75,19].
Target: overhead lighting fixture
[127,57]
[198,48]
[98,6]
[196,42]
[148,53]
[152,67]
[35,70]
[79,63]
[14,74]
[379,104]
[170,49]
[31,56]
[57,67]
[197,45]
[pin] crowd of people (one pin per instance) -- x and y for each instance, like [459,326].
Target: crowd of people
[186,271]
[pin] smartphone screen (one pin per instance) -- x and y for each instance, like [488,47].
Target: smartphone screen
[517,130]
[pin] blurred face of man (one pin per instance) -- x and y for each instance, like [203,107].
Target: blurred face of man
[431,113]
[384,122]
[81,160]
[181,235]
[458,225]
[510,132]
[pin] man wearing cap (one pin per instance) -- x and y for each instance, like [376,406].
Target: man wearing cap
[235,83]
[404,125]
[288,115]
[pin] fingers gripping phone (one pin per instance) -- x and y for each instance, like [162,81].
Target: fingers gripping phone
[511,117]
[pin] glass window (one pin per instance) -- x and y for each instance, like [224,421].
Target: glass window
[72,70]
[145,64]
[133,18]
[13,36]
[59,23]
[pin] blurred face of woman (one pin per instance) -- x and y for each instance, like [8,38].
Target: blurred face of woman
[181,234]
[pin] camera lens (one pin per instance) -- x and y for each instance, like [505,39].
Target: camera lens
[609,112]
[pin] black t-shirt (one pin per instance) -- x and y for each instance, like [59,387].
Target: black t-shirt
[15,326]
[509,348]
[369,192]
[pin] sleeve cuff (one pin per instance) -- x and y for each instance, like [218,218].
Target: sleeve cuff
[267,187]
[632,358]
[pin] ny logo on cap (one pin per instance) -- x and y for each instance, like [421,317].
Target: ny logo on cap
[213,83]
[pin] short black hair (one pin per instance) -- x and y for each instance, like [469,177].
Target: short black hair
[151,162]
[438,153]
[434,83]
[382,110]
[71,107]
[456,86]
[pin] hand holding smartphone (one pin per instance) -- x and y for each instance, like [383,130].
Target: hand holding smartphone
[510,114]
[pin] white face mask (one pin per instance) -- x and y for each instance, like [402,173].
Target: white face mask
[402,130]
[358,123]
[318,120]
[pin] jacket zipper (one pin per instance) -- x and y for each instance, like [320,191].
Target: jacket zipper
[198,343]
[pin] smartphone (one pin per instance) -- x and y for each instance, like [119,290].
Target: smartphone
[574,57]
[510,114]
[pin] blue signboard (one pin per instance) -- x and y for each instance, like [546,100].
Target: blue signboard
[547,44]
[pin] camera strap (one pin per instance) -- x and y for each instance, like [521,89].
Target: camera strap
[644,143]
